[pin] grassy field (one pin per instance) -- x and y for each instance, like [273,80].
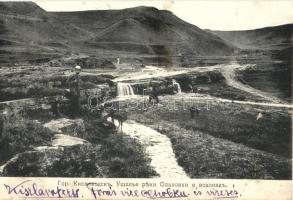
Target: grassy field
[226,141]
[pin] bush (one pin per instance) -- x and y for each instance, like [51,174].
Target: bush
[74,161]
[125,158]
[22,136]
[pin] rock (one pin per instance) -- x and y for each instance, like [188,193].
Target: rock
[74,127]
[43,148]
[65,140]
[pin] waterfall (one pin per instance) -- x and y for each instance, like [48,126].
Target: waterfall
[124,89]
[177,85]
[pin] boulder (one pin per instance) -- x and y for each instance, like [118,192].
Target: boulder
[65,140]
[73,127]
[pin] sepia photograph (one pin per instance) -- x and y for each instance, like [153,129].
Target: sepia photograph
[146,89]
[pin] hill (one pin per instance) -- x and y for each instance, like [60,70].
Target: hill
[155,31]
[277,37]
[30,34]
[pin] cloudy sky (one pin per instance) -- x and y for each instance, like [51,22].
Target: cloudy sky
[206,14]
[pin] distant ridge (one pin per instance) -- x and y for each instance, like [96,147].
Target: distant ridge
[275,37]
[30,34]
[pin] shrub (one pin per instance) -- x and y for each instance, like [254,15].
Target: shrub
[22,136]
[74,161]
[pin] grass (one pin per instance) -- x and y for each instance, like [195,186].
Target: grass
[204,156]
[226,141]
[74,161]
[222,90]
[273,78]
[235,122]
[108,154]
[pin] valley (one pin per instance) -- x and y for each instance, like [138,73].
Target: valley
[158,97]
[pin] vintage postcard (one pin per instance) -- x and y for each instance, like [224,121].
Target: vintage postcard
[146,99]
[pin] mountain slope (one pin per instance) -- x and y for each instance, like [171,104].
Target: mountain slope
[147,26]
[29,33]
[277,37]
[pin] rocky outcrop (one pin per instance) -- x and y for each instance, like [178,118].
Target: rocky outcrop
[73,127]
[186,81]
[65,140]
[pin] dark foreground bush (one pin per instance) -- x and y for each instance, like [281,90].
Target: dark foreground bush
[21,136]
[74,161]
[125,158]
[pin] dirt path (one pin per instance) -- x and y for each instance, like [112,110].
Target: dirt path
[228,72]
[158,148]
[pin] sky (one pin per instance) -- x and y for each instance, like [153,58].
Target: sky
[206,14]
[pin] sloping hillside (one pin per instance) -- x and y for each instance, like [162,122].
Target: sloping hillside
[30,34]
[276,37]
[148,27]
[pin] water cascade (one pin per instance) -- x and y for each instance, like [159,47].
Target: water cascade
[177,85]
[124,89]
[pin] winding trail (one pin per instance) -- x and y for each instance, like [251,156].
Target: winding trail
[158,148]
[228,72]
